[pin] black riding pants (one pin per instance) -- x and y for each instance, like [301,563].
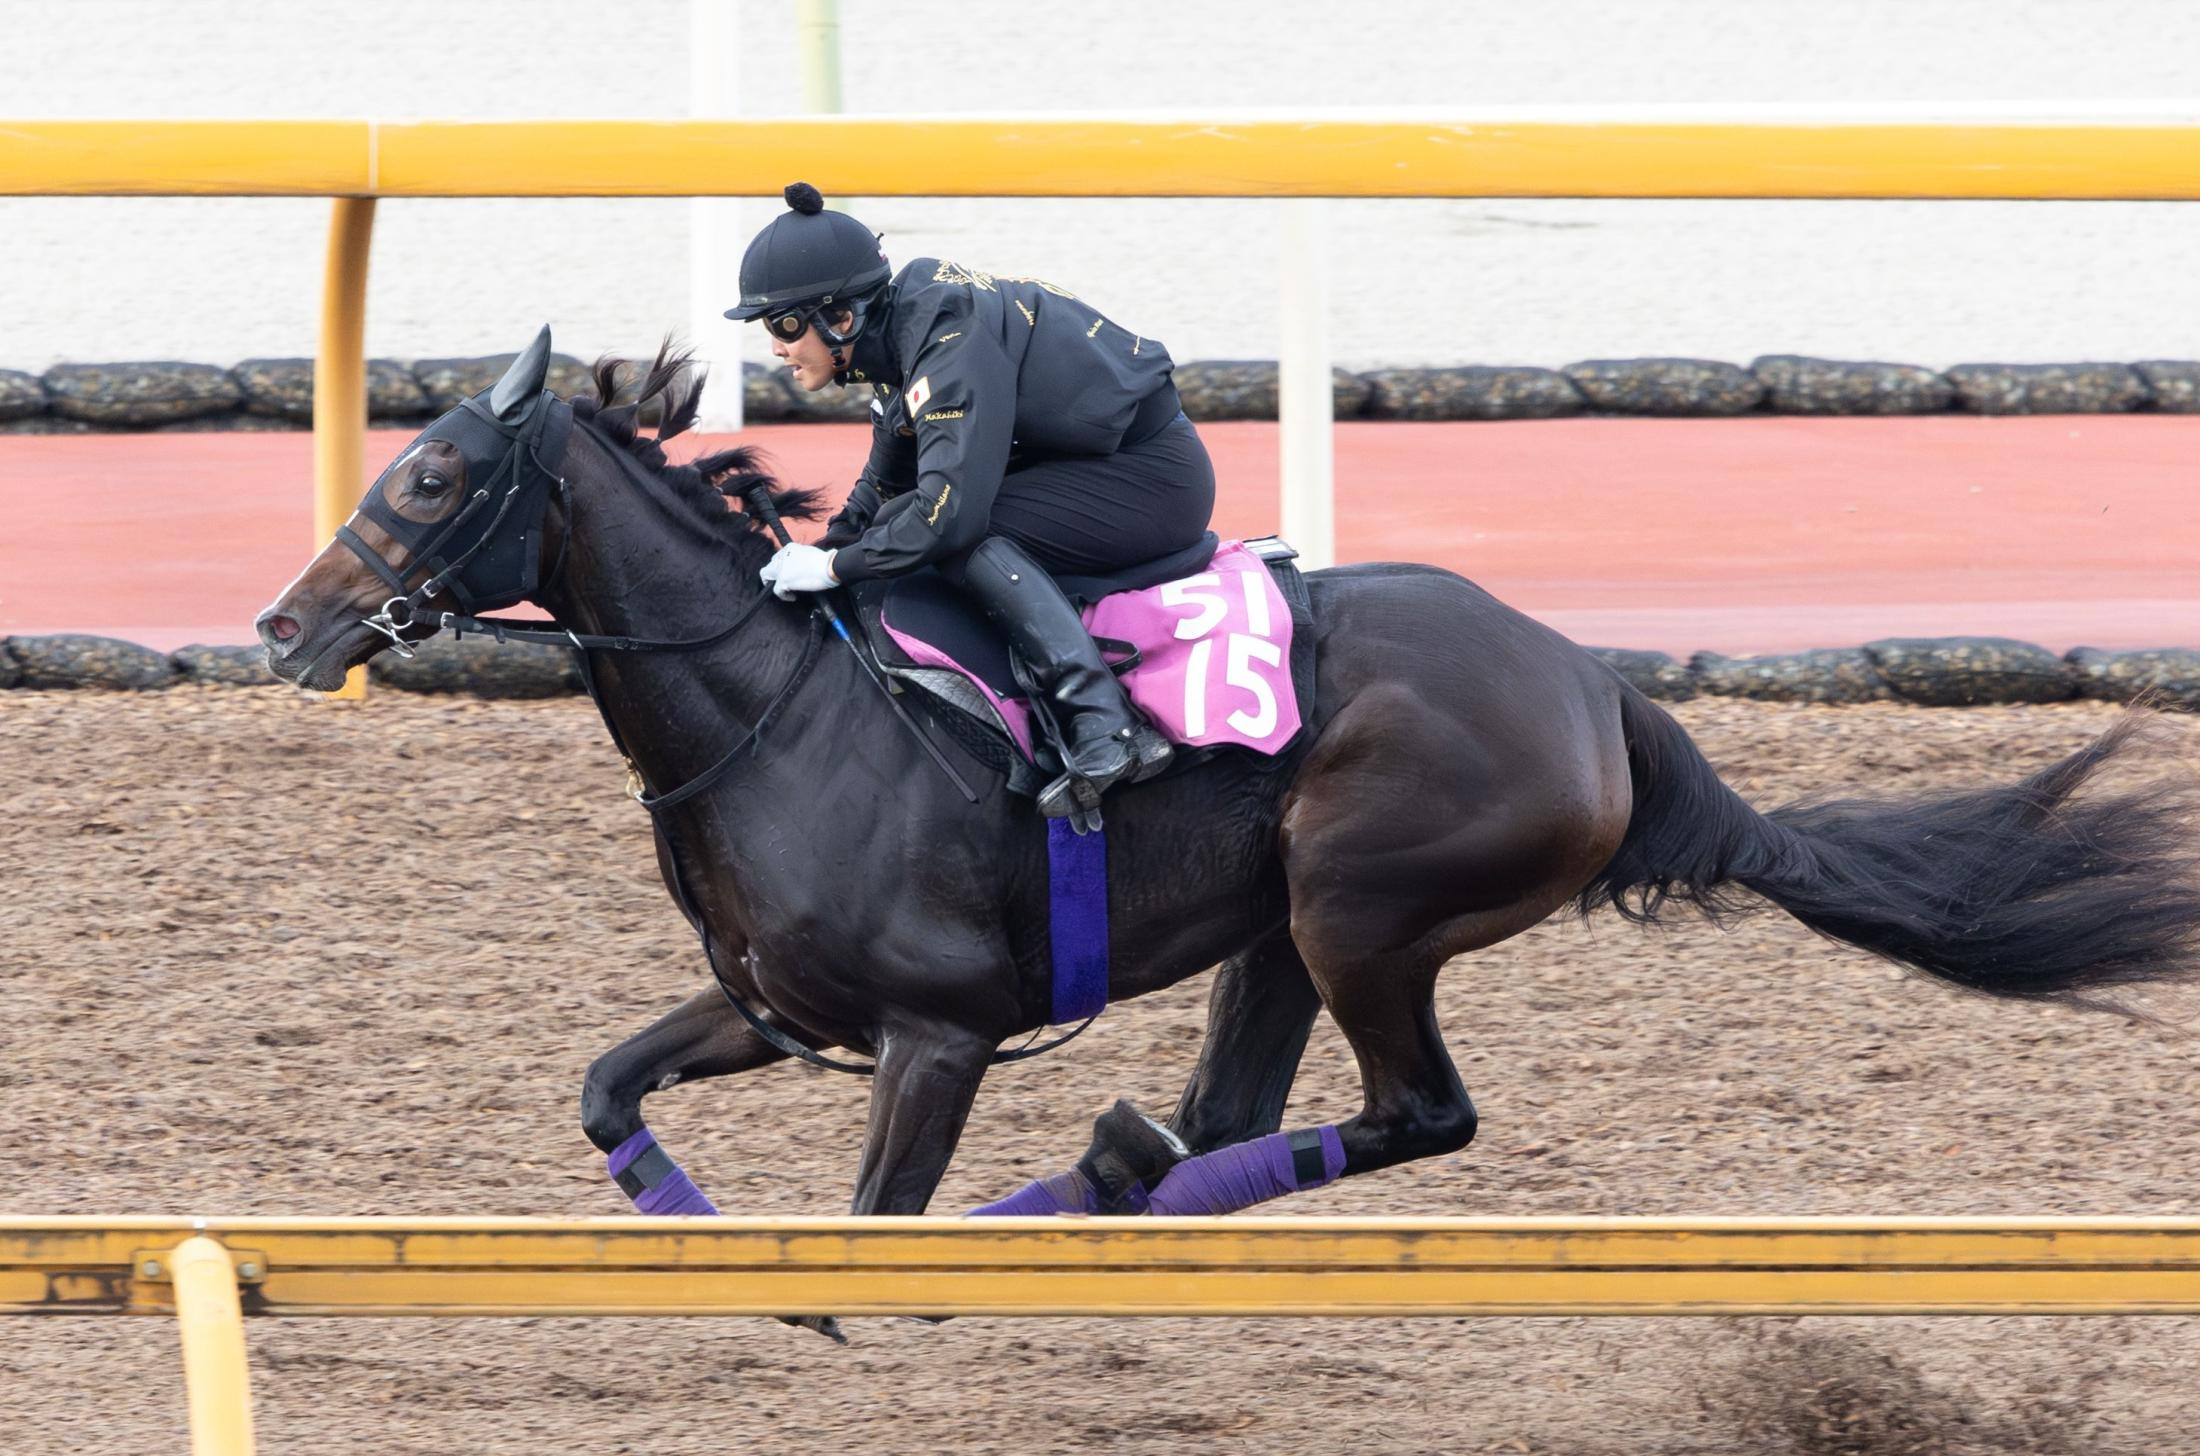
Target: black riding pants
[1082,514]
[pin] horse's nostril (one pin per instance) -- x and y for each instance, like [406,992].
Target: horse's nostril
[281,632]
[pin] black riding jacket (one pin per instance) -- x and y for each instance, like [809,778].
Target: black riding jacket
[966,367]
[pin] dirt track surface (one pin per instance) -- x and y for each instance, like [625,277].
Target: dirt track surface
[231,984]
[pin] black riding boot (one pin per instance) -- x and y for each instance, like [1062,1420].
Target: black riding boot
[1107,740]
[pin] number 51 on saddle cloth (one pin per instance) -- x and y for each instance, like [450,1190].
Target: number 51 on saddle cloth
[1214,646]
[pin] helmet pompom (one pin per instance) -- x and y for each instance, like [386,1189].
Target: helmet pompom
[805,199]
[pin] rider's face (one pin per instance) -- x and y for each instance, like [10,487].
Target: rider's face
[809,357]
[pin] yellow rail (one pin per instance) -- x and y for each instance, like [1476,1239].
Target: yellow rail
[1246,1266]
[211,1272]
[1592,156]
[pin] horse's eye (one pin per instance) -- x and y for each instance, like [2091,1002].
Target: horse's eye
[431,485]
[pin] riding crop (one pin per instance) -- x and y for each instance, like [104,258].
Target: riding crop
[760,504]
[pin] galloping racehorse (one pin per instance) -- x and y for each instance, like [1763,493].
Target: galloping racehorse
[1464,772]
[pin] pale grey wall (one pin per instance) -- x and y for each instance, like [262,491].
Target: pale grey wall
[1545,282]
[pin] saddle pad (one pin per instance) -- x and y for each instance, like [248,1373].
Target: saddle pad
[1215,652]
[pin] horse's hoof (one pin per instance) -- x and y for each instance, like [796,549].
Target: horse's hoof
[823,1324]
[1130,1154]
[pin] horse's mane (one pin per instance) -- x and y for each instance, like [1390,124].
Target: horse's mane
[713,484]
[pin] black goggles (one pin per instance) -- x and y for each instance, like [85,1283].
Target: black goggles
[790,325]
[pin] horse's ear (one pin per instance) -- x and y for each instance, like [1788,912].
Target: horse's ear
[511,395]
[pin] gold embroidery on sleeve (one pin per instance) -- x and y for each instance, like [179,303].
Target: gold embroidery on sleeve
[945,337]
[957,273]
[1029,317]
[1136,343]
[1095,327]
[934,518]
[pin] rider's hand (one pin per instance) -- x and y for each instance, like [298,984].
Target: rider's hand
[799,568]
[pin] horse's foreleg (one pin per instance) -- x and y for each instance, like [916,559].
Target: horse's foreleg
[1259,1015]
[920,1098]
[701,1037]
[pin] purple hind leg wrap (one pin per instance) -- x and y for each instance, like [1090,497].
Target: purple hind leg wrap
[1244,1174]
[648,1175]
[1063,1193]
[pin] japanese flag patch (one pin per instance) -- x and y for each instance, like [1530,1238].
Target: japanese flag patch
[917,394]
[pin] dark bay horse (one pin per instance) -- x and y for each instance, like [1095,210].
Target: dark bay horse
[1466,772]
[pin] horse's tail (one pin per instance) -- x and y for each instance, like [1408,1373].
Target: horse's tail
[2022,891]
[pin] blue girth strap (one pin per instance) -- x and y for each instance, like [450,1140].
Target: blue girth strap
[1077,875]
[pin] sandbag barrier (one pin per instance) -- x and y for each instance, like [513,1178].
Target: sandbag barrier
[441,665]
[1935,672]
[1944,672]
[277,394]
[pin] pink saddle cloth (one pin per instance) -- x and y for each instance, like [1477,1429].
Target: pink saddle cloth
[1215,656]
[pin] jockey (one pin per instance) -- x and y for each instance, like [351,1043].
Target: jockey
[1015,432]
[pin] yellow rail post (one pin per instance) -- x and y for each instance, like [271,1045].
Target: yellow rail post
[211,1318]
[340,383]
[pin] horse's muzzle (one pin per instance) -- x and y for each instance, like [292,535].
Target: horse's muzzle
[308,659]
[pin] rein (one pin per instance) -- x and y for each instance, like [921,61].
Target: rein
[403,612]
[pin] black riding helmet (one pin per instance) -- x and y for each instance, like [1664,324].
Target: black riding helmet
[807,265]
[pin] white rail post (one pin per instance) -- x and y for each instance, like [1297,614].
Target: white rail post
[714,224]
[1305,402]
[817,23]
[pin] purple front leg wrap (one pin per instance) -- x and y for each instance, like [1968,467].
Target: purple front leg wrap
[1244,1174]
[673,1192]
[1063,1193]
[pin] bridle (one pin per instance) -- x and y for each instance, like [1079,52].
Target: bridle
[472,555]
[530,469]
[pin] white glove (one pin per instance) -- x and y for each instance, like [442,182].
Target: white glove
[799,568]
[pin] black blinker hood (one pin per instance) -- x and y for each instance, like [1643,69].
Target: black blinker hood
[488,552]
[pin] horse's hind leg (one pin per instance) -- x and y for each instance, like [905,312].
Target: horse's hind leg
[701,1037]
[1413,1105]
[1258,1016]
[1402,850]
